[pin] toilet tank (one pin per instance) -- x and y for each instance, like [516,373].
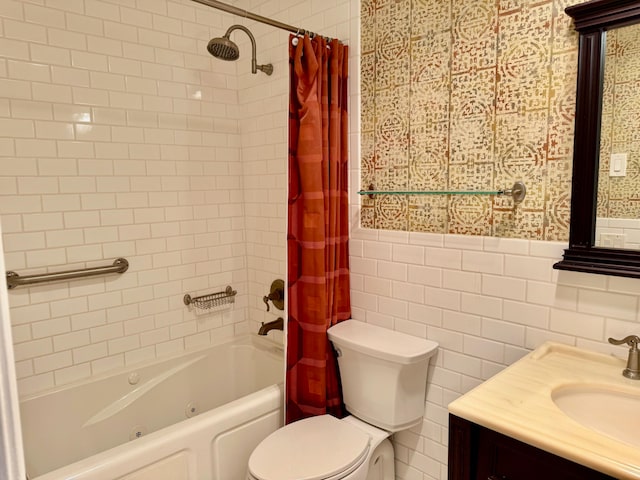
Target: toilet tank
[383,373]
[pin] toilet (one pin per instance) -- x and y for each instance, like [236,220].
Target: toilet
[384,378]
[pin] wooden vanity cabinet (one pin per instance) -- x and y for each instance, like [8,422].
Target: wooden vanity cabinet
[478,453]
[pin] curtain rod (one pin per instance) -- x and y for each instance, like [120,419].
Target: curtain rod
[258,18]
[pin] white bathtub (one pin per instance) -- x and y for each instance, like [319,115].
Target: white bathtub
[233,392]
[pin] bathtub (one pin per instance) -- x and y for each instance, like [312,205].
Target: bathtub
[195,417]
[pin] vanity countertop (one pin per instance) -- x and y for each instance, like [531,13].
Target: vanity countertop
[517,402]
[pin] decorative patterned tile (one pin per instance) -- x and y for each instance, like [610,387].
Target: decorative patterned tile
[391,212]
[392,39]
[391,151]
[429,147]
[368,92]
[428,16]
[471,176]
[558,199]
[473,95]
[367,217]
[470,215]
[367,163]
[472,117]
[564,38]
[518,223]
[627,53]
[521,154]
[474,35]
[367,26]
[562,104]
[430,102]
[428,213]
[430,57]
[524,54]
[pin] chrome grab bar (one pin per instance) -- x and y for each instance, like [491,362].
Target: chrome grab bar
[120,265]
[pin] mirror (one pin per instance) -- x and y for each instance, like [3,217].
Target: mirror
[593,20]
[618,206]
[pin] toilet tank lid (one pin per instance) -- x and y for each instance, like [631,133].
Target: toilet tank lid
[381,342]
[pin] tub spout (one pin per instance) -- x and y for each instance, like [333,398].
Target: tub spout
[277,324]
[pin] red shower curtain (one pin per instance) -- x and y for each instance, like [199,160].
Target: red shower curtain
[318,228]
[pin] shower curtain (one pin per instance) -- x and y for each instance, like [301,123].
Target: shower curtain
[318,228]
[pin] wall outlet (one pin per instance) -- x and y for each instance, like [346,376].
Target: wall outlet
[611,240]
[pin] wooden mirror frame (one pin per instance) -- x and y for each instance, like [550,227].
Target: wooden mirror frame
[592,20]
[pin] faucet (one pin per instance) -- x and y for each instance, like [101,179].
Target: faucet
[633,362]
[276,295]
[277,324]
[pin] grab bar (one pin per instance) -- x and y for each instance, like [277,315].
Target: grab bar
[120,265]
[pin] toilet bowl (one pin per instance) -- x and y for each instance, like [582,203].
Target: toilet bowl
[383,376]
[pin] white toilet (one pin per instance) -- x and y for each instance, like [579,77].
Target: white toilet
[384,378]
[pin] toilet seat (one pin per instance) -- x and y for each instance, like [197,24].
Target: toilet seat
[316,448]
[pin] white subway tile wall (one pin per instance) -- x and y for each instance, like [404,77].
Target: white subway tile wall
[483,320]
[263,112]
[120,136]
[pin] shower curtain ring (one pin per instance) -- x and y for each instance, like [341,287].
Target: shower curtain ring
[295,40]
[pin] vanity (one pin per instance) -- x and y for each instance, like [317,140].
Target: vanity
[558,413]
[562,412]
[499,457]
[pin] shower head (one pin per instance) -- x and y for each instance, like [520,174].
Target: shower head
[224,49]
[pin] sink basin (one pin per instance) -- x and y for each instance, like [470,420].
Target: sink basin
[612,412]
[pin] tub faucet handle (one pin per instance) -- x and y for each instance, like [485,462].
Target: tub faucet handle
[633,362]
[276,295]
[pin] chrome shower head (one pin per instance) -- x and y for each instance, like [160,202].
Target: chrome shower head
[224,49]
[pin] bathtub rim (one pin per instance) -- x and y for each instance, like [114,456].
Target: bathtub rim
[264,344]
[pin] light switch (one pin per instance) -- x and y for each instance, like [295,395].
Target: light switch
[618,165]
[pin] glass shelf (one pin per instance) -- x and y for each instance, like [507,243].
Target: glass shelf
[517,192]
